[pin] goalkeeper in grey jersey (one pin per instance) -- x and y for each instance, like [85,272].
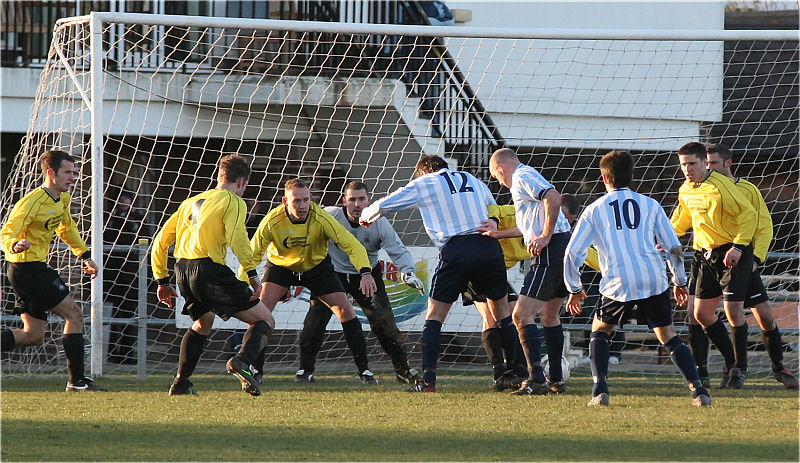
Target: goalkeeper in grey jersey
[377,308]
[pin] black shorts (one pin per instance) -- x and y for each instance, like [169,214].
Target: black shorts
[756,292]
[474,259]
[37,286]
[714,279]
[545,280]
[320,280]
[693,266]
[656,311]
[211,287]
[470,296]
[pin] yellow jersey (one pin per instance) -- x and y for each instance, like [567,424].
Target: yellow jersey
[514,249]
[763,234]
[301,246]
[716,211]
[203,227]
[37,217]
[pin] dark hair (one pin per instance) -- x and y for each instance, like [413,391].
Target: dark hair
[571,203]
[428,164]
[52,159]
[617,167]
[233,167]
[294,183]
[355,185]
[693,149]
[720,149]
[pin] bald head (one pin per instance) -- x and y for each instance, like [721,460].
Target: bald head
[502,165]
[504,155]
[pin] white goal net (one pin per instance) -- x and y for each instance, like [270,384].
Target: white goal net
[154,101]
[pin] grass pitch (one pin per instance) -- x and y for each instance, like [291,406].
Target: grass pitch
[338,419]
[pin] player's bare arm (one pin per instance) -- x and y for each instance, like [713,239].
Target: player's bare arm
[552,206]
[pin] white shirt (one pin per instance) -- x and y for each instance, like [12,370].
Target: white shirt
[379,236]
[528,187]
[451,203]
[624,227]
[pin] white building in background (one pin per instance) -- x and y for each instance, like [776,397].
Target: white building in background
[555,93]
[534,95]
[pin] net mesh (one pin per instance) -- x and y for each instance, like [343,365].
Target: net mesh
[334,107]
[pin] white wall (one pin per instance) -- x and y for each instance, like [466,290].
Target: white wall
[651,95]
[595,14]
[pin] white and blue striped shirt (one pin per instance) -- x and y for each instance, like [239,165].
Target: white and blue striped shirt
[451,203]
[624,227]
[528,187]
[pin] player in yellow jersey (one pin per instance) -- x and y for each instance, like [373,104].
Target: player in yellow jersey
[26,238]
[202,229]
[295,238]
[719,159]
[723,224]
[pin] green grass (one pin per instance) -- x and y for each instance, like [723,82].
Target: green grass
[337,418]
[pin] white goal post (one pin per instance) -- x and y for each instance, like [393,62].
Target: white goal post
[149,103]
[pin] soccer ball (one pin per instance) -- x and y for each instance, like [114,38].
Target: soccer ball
[565,367]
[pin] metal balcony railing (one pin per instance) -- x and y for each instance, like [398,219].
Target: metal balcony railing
[424,64]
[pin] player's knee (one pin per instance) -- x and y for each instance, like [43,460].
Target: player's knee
[262,327]
[344,313]
[705,318]
[270,321]
[74,316]
[204,324]
[549,319]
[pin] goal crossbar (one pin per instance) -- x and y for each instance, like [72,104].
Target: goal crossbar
[439,31]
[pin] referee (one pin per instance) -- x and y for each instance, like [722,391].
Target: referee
[623,226]
[202,229]
[453,206]
[723,224]
[719,159]
[26,238]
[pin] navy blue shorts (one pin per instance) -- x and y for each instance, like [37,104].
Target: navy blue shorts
[474,259]
[545,280]
[37,286]
[655,311]
[211,287]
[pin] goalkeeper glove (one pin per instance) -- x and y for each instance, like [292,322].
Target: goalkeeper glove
[411,280]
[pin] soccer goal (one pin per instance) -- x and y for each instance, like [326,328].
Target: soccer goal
[149,103]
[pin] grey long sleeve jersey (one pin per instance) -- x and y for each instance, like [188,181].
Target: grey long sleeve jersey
[379,235]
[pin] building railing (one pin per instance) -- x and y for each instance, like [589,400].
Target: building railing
[424,64]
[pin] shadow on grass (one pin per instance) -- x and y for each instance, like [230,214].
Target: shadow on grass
[341,420]
[247,442]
